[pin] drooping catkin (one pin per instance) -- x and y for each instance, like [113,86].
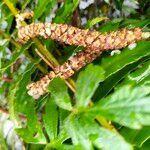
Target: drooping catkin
[95,42]
[75,36]
[36,89]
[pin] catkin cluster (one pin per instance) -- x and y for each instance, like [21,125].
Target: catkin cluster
[94,42]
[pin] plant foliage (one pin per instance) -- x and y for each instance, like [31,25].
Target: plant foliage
[104,106]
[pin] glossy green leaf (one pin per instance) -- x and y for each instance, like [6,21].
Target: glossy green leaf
[94,21]
[22,98]
[110,26]
[50,119]
[112,81]
[85,131]
[77,134]
[145,81]
[33,132]
[136,137]
[18,98]
[59,93]
[103,138]
[139,76]
[145,146]
[60,147]
[128,106]
[109,140]
[62,137]
[66,11]
[132,23]
[66,147]
[87,83]
[123,23]
[42,7]
[116,67]
[20,101]
[142,72]
[126,57]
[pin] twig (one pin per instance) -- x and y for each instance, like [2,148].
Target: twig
[6,79]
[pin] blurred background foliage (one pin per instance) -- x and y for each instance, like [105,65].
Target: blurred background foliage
[120,84]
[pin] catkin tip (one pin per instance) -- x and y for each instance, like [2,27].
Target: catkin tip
[146,35]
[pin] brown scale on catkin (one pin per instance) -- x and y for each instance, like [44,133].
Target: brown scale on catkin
[95,42]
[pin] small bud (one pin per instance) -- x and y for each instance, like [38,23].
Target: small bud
[132,46]
[146,35]
[115,52]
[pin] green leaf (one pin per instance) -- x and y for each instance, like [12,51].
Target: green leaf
[119,61]
[17,97]
[132,23]
[65,147]
[42,7]
[85,89]
[142,72]
[120,23]
[64,13]
[87,83]
[110,26]
[110,140]
[25,3]
[94,21]
[77,134]
[136,137]
[50,119]
[85,132]
[102,138]
[60,147]
[14,57]
[20,101]
[59,93]
[127,106]
[33,132]
[117,66]
[63,136]
[145,146]
[112,81]
[119,4]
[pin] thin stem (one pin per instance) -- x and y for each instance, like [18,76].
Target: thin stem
[46,54]
[6,79]
[105,123]
[44,59]
[11,7]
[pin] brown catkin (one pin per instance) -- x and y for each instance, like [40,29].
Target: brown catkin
[75,36]
[95,42]
[36,89]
